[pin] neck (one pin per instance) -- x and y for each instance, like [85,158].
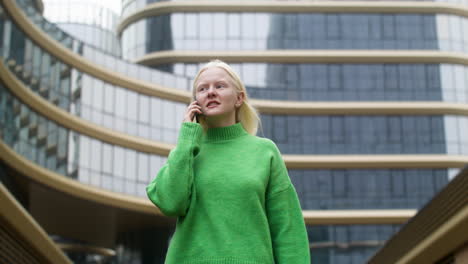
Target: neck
[225,133]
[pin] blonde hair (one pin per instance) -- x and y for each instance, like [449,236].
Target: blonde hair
[246,113]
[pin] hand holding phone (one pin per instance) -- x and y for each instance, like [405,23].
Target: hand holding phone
[193,110]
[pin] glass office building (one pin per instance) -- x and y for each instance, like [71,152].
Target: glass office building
[365,100]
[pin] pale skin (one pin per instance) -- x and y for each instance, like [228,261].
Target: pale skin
[217,100]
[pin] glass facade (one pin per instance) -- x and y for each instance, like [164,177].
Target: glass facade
[272,31]
[366,188]
[84,95]
[348,82]
[57,148]
[71,154]
[95,24]
[345,244]
[368,134]
[338,134]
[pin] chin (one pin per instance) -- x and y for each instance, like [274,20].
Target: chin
[216,114]
[213,113]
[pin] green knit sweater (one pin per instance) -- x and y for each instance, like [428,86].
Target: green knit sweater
[233,200]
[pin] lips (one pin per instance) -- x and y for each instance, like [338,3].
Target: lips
[212,104]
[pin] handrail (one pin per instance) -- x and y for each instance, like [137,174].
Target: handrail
[27,229]
[358,217]
[437,230]
[374,161]
[306,56]
[83,248]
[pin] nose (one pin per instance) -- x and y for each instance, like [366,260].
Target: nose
[211,91]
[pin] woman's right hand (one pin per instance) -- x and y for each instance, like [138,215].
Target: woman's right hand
[193,109]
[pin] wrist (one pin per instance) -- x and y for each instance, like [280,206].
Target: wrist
[190,131]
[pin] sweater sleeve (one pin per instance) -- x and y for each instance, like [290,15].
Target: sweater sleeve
[171,190]
[287,228]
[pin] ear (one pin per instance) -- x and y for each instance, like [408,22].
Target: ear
[240,99]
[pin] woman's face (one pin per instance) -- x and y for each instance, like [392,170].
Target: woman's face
[217,96]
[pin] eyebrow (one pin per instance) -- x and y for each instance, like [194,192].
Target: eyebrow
[219,81]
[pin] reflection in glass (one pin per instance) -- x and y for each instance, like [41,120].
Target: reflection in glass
[341,189]
[262,31]
[367,134]
[71,154]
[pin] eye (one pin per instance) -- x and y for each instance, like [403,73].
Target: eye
[220,85]
[201,88]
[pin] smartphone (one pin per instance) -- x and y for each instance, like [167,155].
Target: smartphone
[196,114]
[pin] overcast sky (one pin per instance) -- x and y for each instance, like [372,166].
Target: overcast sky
[114,5]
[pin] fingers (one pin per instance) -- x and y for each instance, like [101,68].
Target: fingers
[195,107]
[192,109]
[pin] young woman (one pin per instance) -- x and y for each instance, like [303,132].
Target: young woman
[229,189]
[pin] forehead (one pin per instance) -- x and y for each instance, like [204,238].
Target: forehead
[213,74]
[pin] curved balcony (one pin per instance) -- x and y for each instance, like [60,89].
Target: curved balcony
[135,12]
[73,154]
[317,25]
[47,157]
[270,106]
[147,146]
[183,83]
[164,149]
[292,161]
[130,6]
[109,166]
[264,106]
[314,126]
[301,162]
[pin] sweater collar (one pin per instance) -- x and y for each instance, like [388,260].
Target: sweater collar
[225,133]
